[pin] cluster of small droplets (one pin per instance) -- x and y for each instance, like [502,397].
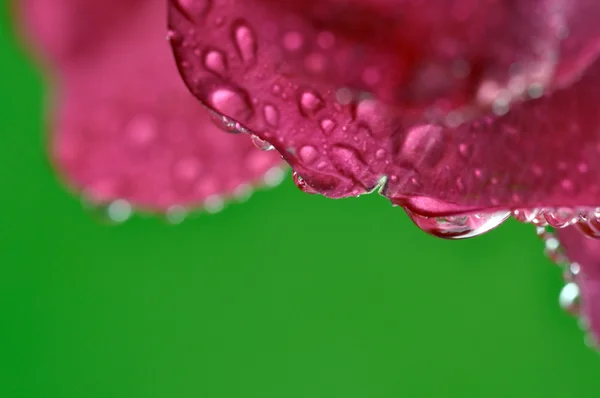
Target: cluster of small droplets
[587,219]
[570,295]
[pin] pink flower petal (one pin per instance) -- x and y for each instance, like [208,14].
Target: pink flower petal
[585,253]
[125,127]
[452,106]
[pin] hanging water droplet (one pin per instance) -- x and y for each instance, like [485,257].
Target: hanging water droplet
[590,224]
[300,183]
[561,217]
[213,204]
[380,154]
[569,298]
[245,42]
[261,144]
[459,226]
[119,211]
[176,214]
[526,215]
[274,176]
[227,124]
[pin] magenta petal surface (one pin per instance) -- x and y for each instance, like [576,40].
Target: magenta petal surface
[585,252]
[123,124]
[449,106]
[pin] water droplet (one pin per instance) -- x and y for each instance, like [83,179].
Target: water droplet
[233,103]
[327,126]
[243,192]
[274,176]
[261,144]
[216,62]
[119,211]
[424,145]
[569,298]
[308,154]
[271,115]
[176,214]
[213,204]
[300,183]
[459,226]
[245,42]
[526,215]
[309,103]
[380,154]
[590,224]
[561,217]
[226,124]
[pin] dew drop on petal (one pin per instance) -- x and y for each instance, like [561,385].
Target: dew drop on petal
[119,211]
[213,204]
[308,154]
[327,126]
[261,144]
[231,103]
[274,176]
[271,115]
[245,42]
[459,226]
[561,217]
[176,214]
[569,298]
[215,61]
[309,103]
[300,183]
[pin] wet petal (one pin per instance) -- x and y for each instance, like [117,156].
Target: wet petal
[124,125]
[451,106]
[584,253]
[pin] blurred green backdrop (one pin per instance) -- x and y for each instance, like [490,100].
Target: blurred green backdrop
[286,296]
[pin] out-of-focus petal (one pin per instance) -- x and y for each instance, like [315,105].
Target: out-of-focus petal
[123,124]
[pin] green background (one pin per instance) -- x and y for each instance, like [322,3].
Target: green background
[288,295]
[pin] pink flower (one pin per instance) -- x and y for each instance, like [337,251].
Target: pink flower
[463,112]
[124,128]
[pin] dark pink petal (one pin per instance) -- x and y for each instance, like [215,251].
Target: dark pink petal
[124,125]
[584,252]
[451,106]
